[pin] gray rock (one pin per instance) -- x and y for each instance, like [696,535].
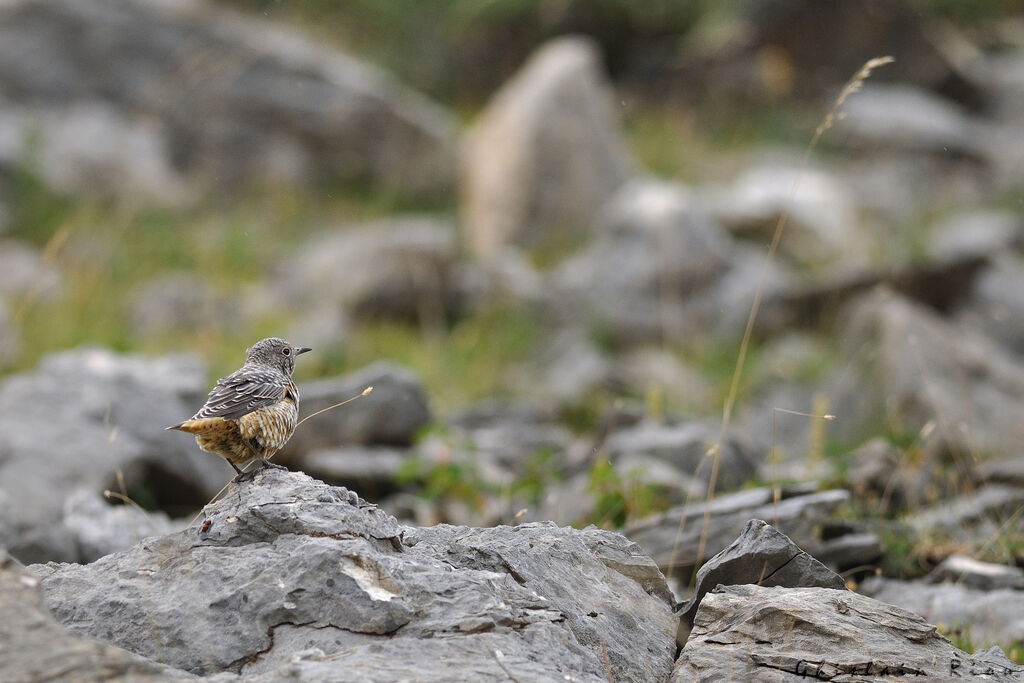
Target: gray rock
[91,148]
[781,634]
[178,302]
[545,153]
[906,118]
[567,371]
[673,538]
[995,304]
[370,469]
[262,103]
[970,517]
[37,648]
[978,232]
[289,575]
[389,416]
[913,365]
[986,617]
[78,420]
[822,225]
[397,268]
[970,573]
[648,273]
[684,447]
[763,556]
[99,528]
[651,371]
[25,274]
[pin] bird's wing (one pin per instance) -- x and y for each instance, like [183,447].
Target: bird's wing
[242,392]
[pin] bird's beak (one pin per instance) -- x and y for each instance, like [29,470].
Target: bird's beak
[302,349]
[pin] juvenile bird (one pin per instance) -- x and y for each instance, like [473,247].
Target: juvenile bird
[252,412]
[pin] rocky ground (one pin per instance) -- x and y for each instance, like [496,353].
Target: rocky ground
[861,504]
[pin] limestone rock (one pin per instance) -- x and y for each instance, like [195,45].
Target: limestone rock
[789,634]
[289,576]
[545,154]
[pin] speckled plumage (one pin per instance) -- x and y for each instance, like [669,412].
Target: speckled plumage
[252,412]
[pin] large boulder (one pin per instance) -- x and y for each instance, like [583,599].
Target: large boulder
[402,268]
[545,153]
[208,97]
[83,420]
[763,556]
[657,268]
[752,632]
[37,648]
[920,370]
[289,577]
[682,538]
[390,415]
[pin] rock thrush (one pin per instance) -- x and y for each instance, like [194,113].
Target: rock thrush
[252,412]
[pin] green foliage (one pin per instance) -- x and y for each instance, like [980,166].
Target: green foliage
[444,481]
[620,499]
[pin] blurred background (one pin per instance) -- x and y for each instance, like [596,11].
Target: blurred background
[537,227]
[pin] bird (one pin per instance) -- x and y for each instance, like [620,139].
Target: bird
[251,413]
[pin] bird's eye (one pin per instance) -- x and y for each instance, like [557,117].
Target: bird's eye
[286,351]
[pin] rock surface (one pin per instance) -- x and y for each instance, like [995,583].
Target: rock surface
[983,617]
[288,576]
[781,634]
[80,418]
[545,154]
[400,268]
[389,416]
[37,648]
[673,538]
[763,556]
[209,96]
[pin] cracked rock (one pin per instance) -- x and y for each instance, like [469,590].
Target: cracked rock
[289,577]
[763,556]
[792,634]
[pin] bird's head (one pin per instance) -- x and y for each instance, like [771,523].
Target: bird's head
[275,352]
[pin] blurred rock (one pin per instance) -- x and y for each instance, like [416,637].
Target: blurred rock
[566,372]
[650,369]
[295,579]
[881,470]
[763,556]
[211,96]
[970,573]
[942,284]
[181,302]
[684,448]
[982,232]
[389,416]
[88,148]
[545,154]
[673,538]
[397,268]
[822,224]
[371,470]
[783,634]
[977,616]
[99,528]
[995,303]
[923,371]
[26,275]
[970,518]
[654,252]
[906,118]
[37,648]
[80,418]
